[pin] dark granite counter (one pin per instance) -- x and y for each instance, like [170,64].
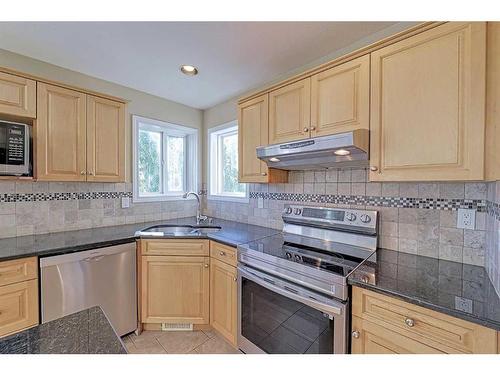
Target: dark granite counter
[457,289]
[232,233]
[85,332]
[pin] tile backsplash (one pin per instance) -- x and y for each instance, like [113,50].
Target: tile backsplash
[492,262]
[417,218]
[43,207]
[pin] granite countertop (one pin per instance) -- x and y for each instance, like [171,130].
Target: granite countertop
[232,233]
[461,290]
[84,332]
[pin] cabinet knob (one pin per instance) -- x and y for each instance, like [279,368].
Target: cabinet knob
[206,266]
[306,130]
[409,322]
[355,334]
[263,174]
[313,128]
[91,173]
[222,253]
[373,168]
[235,279]
[83,173]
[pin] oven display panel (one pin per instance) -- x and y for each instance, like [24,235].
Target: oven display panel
[323,214]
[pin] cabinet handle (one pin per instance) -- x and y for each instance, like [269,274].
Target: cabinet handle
[263,174]
[83,173]
[355,334]
[222,253]
[206,266]
[373,168]
[235,279]
[91,173]
[313,128]
[306,130]
[409,322]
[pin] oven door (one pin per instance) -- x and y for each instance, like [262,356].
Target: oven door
[276,316]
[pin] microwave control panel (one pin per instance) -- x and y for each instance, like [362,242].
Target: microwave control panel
[15,145]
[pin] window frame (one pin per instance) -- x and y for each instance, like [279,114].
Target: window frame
[214,164]
[166,129]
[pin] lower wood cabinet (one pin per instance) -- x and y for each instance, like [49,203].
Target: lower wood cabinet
[382,324]
[175,289]
[18,295]
[223,299]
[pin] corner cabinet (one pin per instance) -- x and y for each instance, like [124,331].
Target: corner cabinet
[253,120]
[386,325]
[427,113]
[17,95]
[79,137]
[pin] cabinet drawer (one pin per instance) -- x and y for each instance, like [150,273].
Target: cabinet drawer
[434,329]
[18,306]
[224,253]
[17,270]
[175,247]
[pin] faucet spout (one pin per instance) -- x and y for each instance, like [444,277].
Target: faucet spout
[199,216]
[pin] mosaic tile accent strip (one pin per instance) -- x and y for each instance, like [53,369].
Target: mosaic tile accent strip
[398,202]
[43,197]
[493,209]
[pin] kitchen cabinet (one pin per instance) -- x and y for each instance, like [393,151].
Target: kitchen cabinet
[18,295]
[175,289]
[60,134]
[79,137]
[224,299]
[427,111]
[382,324]
[290,112]
[105,140]
[253,127]
[17,96]
[340,98]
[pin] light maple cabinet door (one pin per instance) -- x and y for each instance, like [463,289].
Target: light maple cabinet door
[175,289]
[18,306]
[17,96]
[105,140]
[60,134]
[290,112]
[223,299]
[340,98]
[252,133]
[428,106]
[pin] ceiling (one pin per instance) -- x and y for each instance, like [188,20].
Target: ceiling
[232,57]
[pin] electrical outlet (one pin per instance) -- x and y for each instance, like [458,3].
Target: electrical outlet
[466,218]
[463,304]
[125,202]
[260,202]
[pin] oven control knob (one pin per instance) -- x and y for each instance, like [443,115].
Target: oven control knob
[365,218]
[297,258]
[350,216]
[288,210]
[288,255]
[297,211]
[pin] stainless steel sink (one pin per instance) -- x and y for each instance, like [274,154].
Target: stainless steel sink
[178,230]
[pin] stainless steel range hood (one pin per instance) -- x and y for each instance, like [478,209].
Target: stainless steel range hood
[348,149]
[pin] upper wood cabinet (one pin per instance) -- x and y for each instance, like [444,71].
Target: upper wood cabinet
[253,126]
[290,112]
[60,133]
[79,137]
[17,95]
[105,140]
[427,113]
[340,98]
[175,289]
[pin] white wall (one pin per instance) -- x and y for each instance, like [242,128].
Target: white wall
[140,103]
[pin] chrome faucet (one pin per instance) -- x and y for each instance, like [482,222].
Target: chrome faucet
[199,216]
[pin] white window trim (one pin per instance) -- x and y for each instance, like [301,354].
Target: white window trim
[191,174]
[211,168]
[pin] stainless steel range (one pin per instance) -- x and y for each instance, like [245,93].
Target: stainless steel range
[292,287]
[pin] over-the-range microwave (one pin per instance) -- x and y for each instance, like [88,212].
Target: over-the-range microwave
[14,149]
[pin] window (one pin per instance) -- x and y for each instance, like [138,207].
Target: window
[162,152]
[223,164]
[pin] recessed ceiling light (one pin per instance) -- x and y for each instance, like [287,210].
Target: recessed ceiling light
[189,70]
[274,160]
[342,152]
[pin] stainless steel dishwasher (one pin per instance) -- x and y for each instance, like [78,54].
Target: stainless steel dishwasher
[105,277]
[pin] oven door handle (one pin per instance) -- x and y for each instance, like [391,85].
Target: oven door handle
[332,309]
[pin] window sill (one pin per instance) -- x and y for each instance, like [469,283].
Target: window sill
[165,198]
[227,198]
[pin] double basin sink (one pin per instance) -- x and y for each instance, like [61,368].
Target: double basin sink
[166,230]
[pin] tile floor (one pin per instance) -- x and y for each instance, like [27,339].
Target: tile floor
[194,342]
